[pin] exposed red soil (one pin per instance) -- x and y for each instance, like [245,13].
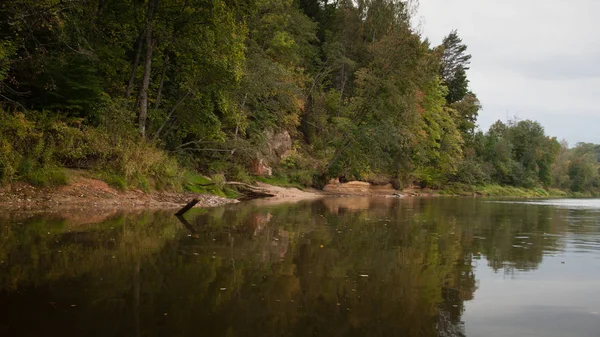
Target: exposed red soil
[92,193]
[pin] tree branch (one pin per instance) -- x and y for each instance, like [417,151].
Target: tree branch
[157,134]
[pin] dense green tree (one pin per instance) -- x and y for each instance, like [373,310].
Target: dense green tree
[584,168]
[360,93]
[455,63]
[466,118]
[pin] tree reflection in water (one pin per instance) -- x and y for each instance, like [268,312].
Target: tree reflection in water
[333,267]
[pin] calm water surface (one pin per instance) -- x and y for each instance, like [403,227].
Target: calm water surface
[333,267]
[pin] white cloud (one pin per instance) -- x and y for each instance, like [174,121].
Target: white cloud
[537,59]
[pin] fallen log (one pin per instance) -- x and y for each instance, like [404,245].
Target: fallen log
[250,191]
[247,191]
[187,207]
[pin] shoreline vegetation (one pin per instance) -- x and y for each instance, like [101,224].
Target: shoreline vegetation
[159,100]
[82,191]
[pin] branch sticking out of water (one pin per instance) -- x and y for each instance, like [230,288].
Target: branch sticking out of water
[187,207]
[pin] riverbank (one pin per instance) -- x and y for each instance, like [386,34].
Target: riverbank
[360,188]
[83,191]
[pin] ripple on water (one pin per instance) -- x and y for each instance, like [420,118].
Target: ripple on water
[562,203]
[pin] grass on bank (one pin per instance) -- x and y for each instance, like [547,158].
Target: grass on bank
[280,181]
[519,192]
[510,191]
[41,149]
[198,183]
[46,177]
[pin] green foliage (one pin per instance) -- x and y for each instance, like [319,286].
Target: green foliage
[218,180]
[45,177]
[454,65]
[7,51]
[520,192]
[584,168]
[282,181]
[518,154]
[114,180]
[197,183]
[467,110]
[35,147]
[361,94]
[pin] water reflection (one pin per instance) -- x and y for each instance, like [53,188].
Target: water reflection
[343,266]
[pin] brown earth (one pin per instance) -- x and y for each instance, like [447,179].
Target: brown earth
[359,188]
[83,192]
[87,193]
[285,194]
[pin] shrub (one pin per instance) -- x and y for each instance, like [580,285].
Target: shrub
[48,176]
[33,146]
[115,181]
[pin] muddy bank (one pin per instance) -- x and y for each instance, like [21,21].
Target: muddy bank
[89,193]
[86,193]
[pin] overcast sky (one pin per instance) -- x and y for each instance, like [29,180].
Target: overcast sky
[534,59]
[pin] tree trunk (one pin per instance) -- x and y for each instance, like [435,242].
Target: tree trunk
[143,94]
[136,61]
[162,81]
[187,207]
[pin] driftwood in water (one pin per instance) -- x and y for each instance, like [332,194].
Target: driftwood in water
[250,191]
[187,207]
[186,224]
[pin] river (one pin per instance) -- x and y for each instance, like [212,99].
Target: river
[331,267]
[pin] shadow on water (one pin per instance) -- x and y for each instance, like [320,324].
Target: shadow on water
[331,267]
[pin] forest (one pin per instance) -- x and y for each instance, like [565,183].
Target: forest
[159,93]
